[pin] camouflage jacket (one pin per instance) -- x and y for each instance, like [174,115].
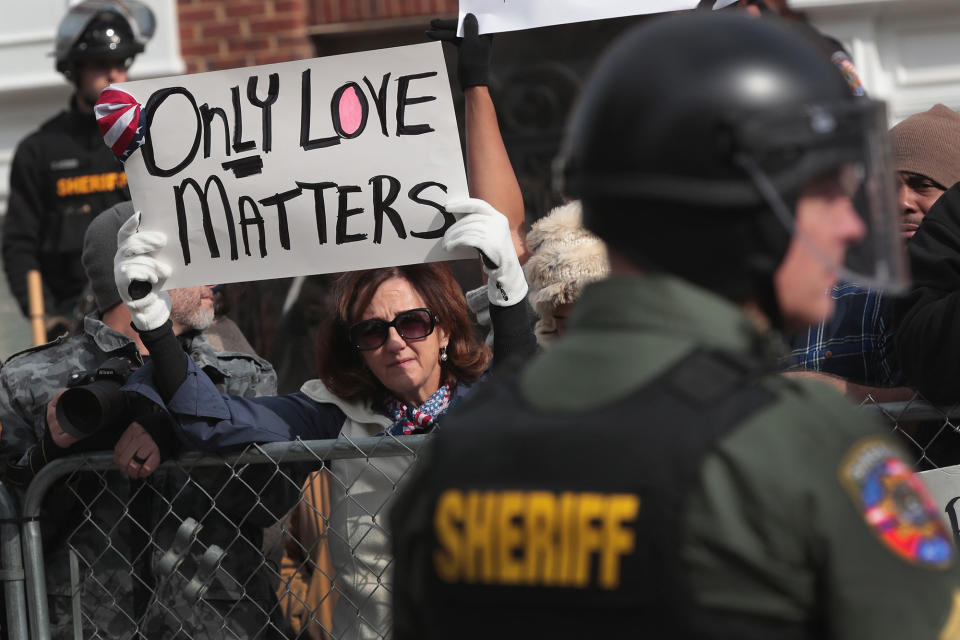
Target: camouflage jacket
[30,378]
[102,521]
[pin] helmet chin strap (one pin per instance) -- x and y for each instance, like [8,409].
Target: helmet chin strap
[782,212]
[766,289]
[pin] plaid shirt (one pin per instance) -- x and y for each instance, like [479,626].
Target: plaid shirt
[856,343]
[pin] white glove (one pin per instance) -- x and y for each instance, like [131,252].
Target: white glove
[133,262]
[486,229]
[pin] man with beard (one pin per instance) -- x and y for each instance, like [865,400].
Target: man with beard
[62,174]
[123,593]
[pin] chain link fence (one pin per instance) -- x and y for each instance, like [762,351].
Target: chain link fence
[285,540]
[930,433]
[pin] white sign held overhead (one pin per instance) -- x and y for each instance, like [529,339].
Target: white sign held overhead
[313,166]
[495,16]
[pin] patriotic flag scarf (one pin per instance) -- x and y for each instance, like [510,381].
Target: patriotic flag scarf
[409,420]
[120,119]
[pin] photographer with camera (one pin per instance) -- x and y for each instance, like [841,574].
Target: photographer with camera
[42,420]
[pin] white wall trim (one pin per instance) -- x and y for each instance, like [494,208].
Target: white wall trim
[171,66]
[29,37]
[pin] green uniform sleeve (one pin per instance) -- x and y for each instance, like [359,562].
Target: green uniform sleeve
[811,512]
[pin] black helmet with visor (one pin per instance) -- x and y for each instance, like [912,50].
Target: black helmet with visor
[694,137]
[102,30]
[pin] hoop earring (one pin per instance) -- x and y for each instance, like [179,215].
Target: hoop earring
[443,354]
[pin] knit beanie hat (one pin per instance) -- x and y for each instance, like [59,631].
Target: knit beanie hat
[564,258]
[928,143]
[99,248]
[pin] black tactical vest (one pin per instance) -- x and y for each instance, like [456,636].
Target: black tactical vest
[521,523]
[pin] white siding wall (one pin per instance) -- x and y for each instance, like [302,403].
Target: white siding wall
[906,51]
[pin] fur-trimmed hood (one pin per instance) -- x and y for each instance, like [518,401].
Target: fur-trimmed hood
[565,257]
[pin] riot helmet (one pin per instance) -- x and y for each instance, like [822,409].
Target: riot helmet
[694,137]
[102,30]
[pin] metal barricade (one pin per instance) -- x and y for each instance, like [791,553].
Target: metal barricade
[930,433]
[11,568]
[180,554]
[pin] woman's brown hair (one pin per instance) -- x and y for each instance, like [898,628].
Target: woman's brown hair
[341,366]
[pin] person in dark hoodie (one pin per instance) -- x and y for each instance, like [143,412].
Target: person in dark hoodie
[927,319]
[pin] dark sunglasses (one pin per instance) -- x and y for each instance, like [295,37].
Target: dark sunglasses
[413,324]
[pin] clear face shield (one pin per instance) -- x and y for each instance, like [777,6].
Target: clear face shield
[144,22]
[844,147]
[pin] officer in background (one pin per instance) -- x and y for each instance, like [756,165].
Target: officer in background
[63,175]
[652,474]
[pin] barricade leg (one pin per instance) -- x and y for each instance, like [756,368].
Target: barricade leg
[11,562]
[36,581]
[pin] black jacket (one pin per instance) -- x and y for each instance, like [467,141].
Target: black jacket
[927,320]
[62,176]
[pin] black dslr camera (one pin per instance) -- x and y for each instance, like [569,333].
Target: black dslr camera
[93,399]
[92,405]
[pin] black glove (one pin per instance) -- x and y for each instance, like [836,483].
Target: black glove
[473,59]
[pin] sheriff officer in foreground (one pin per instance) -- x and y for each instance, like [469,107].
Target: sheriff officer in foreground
[652,473]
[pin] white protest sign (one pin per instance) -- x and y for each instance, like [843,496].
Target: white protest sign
[944,486]
[314,166]
[495,16]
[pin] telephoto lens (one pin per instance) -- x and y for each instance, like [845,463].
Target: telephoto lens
[93,400]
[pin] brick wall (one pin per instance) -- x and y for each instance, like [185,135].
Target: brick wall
[224,34]
[328,11]
[220,34]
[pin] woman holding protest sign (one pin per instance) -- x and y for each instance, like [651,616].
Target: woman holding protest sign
[399,353]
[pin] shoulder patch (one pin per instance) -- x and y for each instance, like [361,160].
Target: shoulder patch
[895,503]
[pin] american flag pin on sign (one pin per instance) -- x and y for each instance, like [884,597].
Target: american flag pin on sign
[119,118]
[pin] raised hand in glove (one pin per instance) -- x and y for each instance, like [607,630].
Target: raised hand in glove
[473,58]
[135,264]
[486,229]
